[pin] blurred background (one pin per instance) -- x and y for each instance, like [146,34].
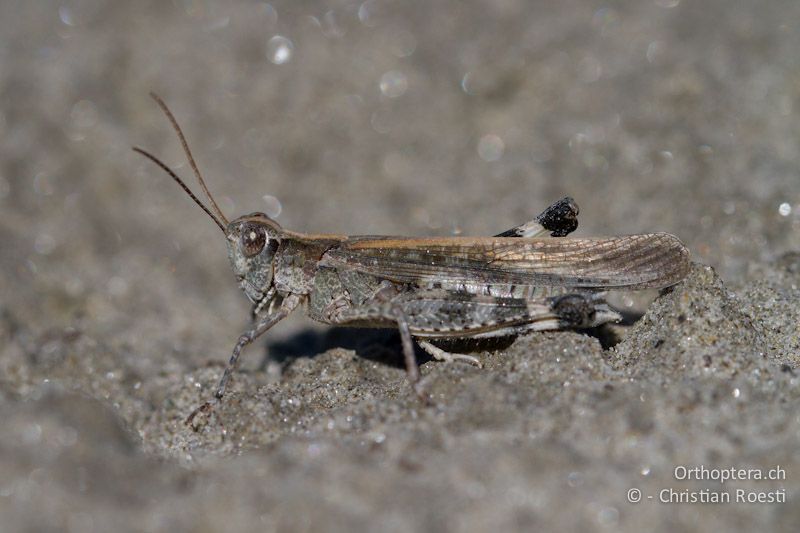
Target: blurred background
[381,116]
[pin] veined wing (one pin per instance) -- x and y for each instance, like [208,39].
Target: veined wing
[652,260]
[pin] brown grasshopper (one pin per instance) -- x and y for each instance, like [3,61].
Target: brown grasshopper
[435,288]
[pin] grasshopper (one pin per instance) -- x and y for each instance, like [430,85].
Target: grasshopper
[432,289]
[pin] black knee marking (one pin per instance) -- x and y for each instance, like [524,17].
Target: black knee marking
[575,310]
[561,218]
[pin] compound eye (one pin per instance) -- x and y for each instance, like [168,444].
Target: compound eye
[253,240]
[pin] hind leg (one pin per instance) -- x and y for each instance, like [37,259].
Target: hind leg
[558,220]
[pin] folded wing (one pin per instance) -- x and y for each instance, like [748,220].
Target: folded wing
[652,260]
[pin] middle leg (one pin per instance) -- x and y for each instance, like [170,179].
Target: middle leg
[427,315]
[448,357]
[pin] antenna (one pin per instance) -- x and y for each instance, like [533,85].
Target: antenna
[188,152]
[180,182]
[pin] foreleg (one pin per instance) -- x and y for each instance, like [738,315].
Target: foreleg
[263,325]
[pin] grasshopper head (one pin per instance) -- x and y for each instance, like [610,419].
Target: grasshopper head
[252,239]
[252,242]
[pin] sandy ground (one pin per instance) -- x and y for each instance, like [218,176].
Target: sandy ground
[118,306]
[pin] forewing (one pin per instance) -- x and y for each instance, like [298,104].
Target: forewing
[651,260]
